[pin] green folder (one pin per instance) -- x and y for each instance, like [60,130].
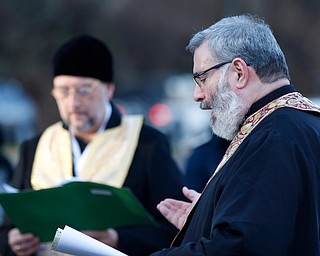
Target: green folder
[81,205]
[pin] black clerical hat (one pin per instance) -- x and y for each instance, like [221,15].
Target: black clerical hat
[85,56]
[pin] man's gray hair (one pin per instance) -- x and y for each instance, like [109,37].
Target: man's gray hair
[248,37]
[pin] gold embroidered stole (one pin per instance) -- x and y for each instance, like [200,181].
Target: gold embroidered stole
[291,100]
[108,156]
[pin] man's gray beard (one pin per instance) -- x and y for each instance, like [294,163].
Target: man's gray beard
[86,127]
[229,111]
[91,123]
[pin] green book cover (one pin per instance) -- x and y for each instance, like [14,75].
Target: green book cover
[81,205]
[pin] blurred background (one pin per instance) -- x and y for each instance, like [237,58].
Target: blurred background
[152,67]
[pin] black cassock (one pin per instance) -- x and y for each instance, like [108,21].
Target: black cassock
[266,199]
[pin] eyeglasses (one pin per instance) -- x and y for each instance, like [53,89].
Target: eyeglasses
[60,93]
[196,76]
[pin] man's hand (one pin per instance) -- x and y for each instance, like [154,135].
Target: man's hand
[109,236]
[177,211]
[22,244]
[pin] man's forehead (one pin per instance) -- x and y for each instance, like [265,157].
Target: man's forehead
[202,58]
[71,80]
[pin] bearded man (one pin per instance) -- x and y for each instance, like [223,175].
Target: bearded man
[264,196]
[95,142]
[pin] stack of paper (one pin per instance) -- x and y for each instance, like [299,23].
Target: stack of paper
[71,241]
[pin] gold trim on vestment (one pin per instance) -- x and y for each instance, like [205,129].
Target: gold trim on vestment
[108,156]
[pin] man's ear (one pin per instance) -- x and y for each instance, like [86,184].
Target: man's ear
[241,72]
[110,90]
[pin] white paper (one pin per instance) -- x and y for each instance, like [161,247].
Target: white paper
[76,243]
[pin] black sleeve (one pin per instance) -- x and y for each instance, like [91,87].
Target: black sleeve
[22,176]
[20,180]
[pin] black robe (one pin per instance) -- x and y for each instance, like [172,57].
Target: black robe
[152,177]
[266,199]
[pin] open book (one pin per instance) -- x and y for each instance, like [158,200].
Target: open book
[82,205]
[71,241]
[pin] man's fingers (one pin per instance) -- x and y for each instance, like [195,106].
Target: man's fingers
[191,194]
[22,244]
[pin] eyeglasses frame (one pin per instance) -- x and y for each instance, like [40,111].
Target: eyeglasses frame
[91,88]
[195,76]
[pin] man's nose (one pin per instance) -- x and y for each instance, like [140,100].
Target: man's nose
[74,99]
[198,94]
